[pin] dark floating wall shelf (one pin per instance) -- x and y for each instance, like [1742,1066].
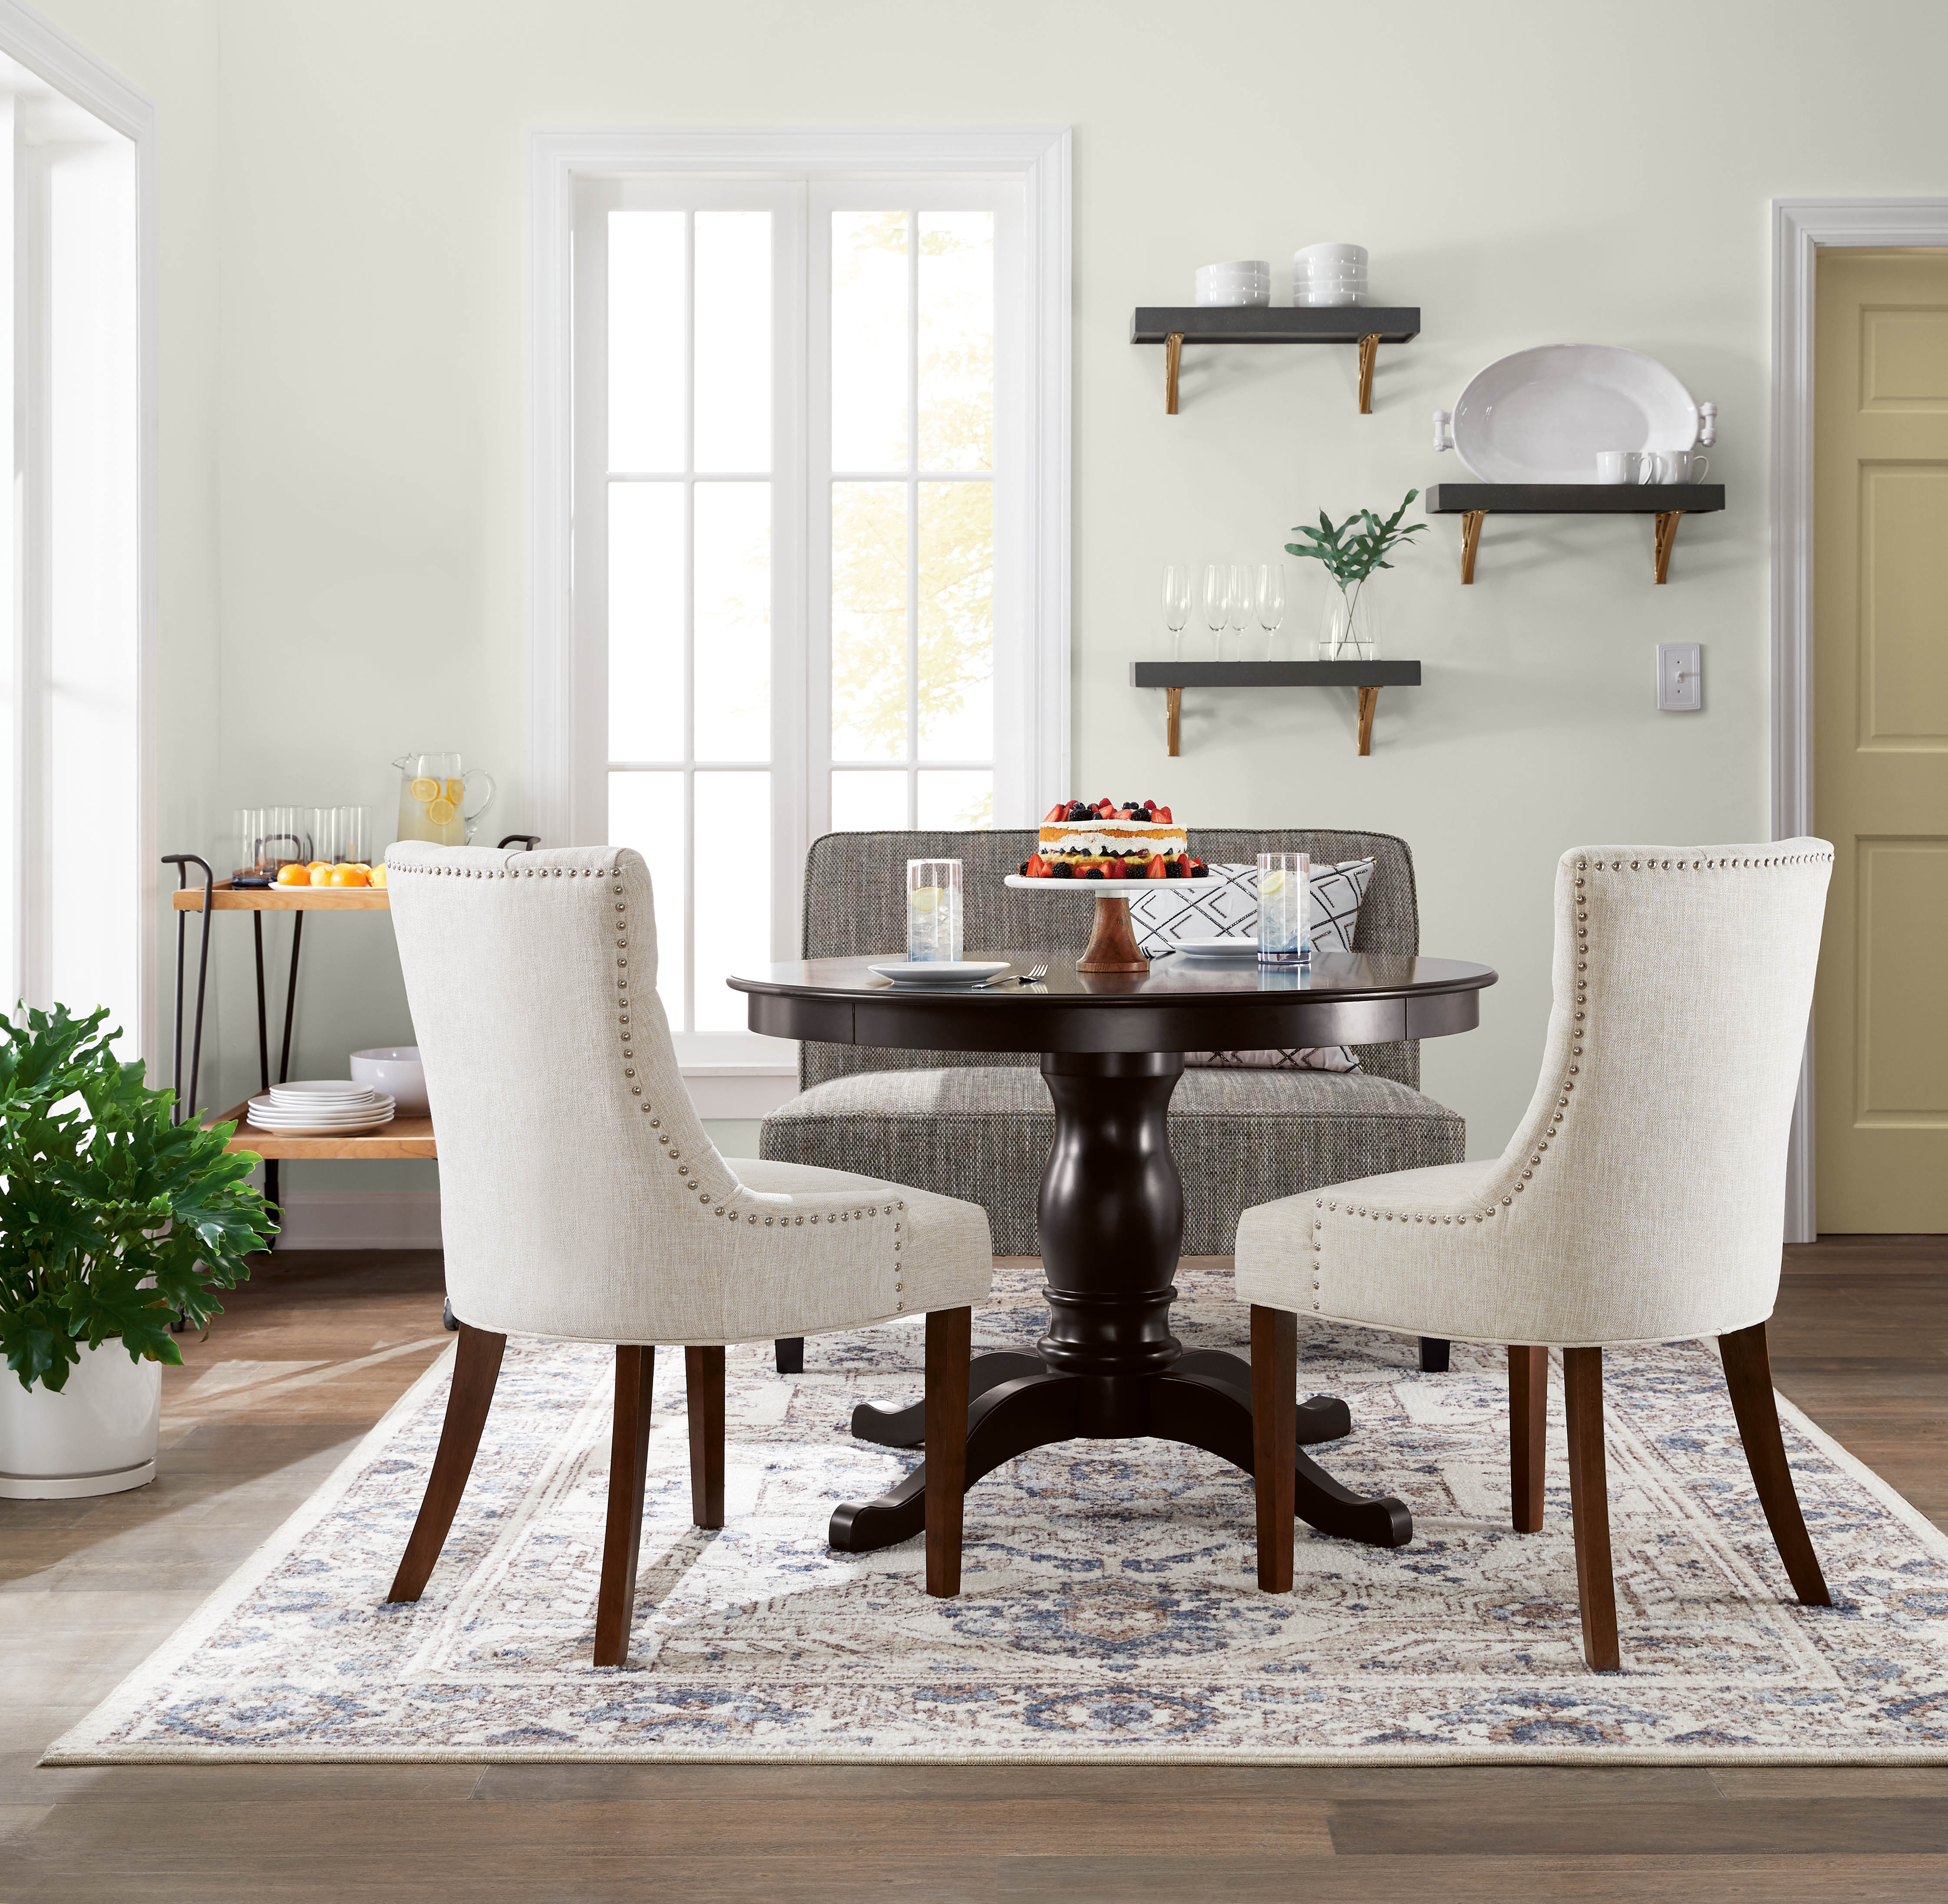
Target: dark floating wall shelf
[1367,325]
[1669,502]
[1369,677]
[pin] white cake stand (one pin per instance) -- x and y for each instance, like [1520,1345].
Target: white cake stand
[1112,943]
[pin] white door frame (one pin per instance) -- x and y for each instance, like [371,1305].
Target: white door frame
[1801,228]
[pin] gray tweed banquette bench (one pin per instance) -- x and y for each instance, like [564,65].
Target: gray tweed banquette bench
[978,1125]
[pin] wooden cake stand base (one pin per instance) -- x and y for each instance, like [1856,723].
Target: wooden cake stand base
[1113,941]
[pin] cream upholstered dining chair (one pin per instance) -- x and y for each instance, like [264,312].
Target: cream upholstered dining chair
[1642,1198]
[582,1200]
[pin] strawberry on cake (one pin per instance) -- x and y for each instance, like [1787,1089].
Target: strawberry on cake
[1137,840]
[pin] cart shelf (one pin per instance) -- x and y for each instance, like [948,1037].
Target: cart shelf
[403,1137]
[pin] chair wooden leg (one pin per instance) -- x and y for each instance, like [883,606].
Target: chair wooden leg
[1436,1355]
[628,1473]
[789,1352]
[1528,1435]
[476,1368]
[1589,1506]
[949,1339]
[1274,1440]
[703,1384]
[1748,1375]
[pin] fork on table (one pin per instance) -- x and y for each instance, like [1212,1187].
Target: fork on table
[1033,976]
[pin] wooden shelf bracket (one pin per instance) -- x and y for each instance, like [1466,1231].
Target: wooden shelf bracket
[1369,702]
[1471,541]
[1369,349]
[1667,520]
[1173,360]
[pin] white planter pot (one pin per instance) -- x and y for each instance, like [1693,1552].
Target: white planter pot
[97,1437]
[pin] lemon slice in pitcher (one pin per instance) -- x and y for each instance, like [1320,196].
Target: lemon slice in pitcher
[454,790]
[440,810]
[426,788]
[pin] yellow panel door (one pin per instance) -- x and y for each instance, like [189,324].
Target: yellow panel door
[1881,738]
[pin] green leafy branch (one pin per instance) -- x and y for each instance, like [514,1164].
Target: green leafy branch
[113,1219]
[1350,550]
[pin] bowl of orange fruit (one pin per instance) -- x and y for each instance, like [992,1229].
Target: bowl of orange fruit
[323,873]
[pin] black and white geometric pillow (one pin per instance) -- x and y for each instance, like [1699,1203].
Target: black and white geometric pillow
[1161,915]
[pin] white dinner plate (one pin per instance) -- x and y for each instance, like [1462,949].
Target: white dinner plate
[929,973]
[312,1090]
[1222,949]
[1541,415]
[321,1130]
[267,1116]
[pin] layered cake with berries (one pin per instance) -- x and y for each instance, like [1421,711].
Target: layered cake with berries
[1136,840]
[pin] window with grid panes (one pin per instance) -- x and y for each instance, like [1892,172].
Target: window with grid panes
[787,507]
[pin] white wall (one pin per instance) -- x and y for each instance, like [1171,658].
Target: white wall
[1525,173]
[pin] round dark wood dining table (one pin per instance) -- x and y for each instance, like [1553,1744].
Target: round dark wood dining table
[1111,1206]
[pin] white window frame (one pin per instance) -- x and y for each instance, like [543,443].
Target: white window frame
[567,658]
[70,70]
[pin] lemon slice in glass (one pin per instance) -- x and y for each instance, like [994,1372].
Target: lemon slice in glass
[426,788]
[440,810]
[924,899]
[1271,884]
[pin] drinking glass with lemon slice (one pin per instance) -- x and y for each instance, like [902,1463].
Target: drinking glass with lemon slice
[1285,889]
[933,910]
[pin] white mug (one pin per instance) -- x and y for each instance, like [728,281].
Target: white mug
[1616,466]
[1674,465]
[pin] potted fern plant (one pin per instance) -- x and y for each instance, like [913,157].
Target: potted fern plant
[114,1223]
[1350,552]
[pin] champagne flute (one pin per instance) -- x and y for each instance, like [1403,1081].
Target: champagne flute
[1271,603]
[1238,605]
[1217,604]
[1176,604]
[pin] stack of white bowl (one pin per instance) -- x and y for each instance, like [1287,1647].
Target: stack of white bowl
[1244,280]
[1329,274]
[321,1107]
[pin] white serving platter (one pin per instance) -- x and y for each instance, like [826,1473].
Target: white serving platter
[1541,415]
[1113,888]
[935,972]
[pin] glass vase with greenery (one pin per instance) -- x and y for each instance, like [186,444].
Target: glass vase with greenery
[1350,552]
[113,1221]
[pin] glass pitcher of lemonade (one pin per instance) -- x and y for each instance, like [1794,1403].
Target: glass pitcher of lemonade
[439,800]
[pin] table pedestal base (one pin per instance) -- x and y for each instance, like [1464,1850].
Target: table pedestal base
[1112,1216]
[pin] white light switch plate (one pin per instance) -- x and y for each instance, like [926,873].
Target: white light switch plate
[1680,677]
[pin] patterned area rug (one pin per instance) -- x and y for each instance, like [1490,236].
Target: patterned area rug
[1109,1613]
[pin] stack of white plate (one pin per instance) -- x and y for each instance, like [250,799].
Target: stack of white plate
[321,1107]
[1243,281]
[1329,274]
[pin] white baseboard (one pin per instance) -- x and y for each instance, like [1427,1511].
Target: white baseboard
[740,1090]
[361,1220]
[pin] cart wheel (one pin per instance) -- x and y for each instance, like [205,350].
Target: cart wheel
[447,1319]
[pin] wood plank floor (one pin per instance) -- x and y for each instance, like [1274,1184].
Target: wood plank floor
[316,1348]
